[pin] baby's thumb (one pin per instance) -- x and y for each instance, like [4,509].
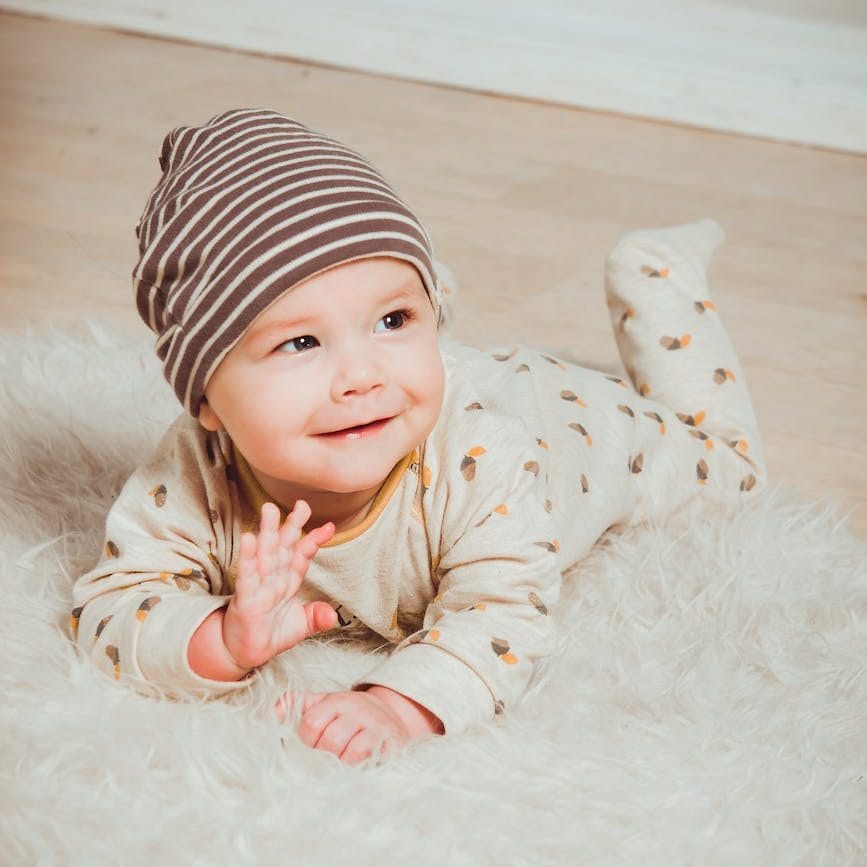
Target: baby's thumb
[320,617]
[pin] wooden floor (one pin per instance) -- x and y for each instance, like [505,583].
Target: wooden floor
[522,200]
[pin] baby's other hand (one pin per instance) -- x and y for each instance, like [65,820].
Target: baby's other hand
[358,725]
[263,617]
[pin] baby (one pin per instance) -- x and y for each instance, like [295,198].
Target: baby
[340,466]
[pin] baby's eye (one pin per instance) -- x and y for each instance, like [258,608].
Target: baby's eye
[298,344]
[396,319]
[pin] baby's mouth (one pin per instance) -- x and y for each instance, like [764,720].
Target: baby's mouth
[358,431]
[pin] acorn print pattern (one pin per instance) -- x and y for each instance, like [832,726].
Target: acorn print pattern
[74,619]
[658,419]
[468,463]
[501,647]
[701,435]
[672,343]
[101,625]
[721,376]
[537,603]
[567,394]
[111,549]
[691,420]
[159,494]
[650,271]
[114,656]
[143,609]
[582,430]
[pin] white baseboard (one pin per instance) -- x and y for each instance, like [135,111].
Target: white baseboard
[715,64]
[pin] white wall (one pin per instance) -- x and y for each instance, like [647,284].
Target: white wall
[793,70]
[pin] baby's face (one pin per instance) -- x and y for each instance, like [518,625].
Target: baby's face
[334,383]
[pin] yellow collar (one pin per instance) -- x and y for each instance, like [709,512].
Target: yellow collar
[254,496]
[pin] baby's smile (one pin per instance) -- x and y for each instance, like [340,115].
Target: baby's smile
[359,431]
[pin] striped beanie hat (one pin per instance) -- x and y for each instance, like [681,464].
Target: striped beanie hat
[248,206]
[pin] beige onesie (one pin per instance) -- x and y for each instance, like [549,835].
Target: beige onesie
[458,563]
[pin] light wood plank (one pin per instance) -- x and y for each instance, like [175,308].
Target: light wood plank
[784,72]
[523,201]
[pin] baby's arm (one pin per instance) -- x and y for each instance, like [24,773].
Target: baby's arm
[263,618]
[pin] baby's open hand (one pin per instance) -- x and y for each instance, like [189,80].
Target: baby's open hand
[263,617]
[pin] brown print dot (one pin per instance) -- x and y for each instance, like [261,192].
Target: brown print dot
[468,468]
[114,655]
[101,625]
[627,314]
[146,606]
[474,405]
[579,428]
[701,471]
[74,617]
[627,410]
[522,368]
[159,495]
[499,708]
[501,647]
[650,271]
[532,467]
[585,485]
[553,547]
[111,550]
[618,381]
[721,375]
[692,420]
[498,356]
[672,343]
[537,603]
[635,466]
[566,394]
[548,506]
[748,482]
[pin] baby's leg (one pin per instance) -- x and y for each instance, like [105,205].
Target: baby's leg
[679,356]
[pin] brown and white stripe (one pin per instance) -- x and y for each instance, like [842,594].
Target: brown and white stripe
[249,205]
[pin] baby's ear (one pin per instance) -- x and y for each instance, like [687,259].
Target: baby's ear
[208,419]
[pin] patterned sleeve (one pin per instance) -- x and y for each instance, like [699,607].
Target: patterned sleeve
[498,578]
[163,567]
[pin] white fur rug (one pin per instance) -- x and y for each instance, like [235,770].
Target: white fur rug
[707,706]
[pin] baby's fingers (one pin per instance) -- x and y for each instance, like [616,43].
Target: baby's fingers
[290,532]
[248,573]
[269,540]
